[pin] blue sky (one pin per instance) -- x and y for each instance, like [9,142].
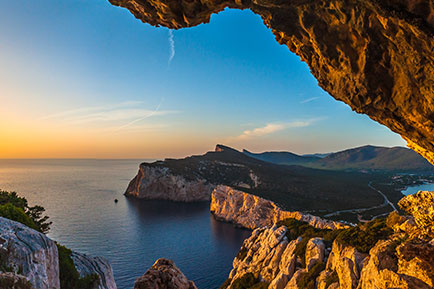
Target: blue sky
[86,79]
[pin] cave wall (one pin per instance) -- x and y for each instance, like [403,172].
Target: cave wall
[377,56]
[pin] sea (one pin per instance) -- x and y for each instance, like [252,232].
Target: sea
[79,197]
[414,189]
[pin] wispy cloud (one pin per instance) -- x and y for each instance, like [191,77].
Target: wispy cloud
[171,46]
[309,99]
[121,115]
[275,127]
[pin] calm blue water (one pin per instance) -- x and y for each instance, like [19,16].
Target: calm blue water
[79,198]
[414,189]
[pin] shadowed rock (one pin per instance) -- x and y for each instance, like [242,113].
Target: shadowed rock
[164,275]
[376,56]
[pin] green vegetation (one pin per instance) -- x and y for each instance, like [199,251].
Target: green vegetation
[307,280]
[364,236]
[17,214]
[69,276]
[17,209]
[247,281]
[306,232]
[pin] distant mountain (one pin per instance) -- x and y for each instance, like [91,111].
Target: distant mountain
[282,158]
[361,158]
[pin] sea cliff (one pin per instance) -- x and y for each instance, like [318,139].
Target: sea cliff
[396,253]
[252,212]
[159,183]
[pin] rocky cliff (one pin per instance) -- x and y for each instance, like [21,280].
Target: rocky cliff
[276,258]
[376,56]
[164,275]
[253,212]
[27,255]
[87,265]
[159,183]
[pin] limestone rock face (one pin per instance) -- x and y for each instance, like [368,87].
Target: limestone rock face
[380,272]
[421,207]
[164,275]
[30,253]
[376,56]
[253,212]
[158,183]
[315,249]
[347,262]
[87,265]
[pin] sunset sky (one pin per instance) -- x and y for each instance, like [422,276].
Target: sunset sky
[85,79]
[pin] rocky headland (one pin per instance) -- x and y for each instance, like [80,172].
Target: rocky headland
[194,178]
[252,212]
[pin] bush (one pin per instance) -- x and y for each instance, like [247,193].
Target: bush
[69,276]
[17,214]
[364,237]
[307,280]
[39,222]
[302,229]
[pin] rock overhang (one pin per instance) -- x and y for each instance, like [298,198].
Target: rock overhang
[376,56]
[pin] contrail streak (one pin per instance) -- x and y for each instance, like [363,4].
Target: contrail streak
[171,46]
[142,118]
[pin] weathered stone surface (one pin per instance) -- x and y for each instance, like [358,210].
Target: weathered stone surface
[292,284]
[87,265]
[421,207]
[164,275]
[380,270]
[314,252]
[347,262]
[417,260]
[158,183]
[376,56]
[9,280]
[30,253]
[321,281]
[253,212]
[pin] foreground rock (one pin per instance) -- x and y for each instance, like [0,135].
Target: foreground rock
[376,56]
[253,212]
[164,275]
[403,259]
[27,255]
[421,207]
[87,265]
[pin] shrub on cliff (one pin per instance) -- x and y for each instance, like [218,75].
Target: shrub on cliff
[11,212]
[69,276]
[364,236]
[307,280]
[39,222]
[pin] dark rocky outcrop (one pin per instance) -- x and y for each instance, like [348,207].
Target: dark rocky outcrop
[164,275]
[376,56]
